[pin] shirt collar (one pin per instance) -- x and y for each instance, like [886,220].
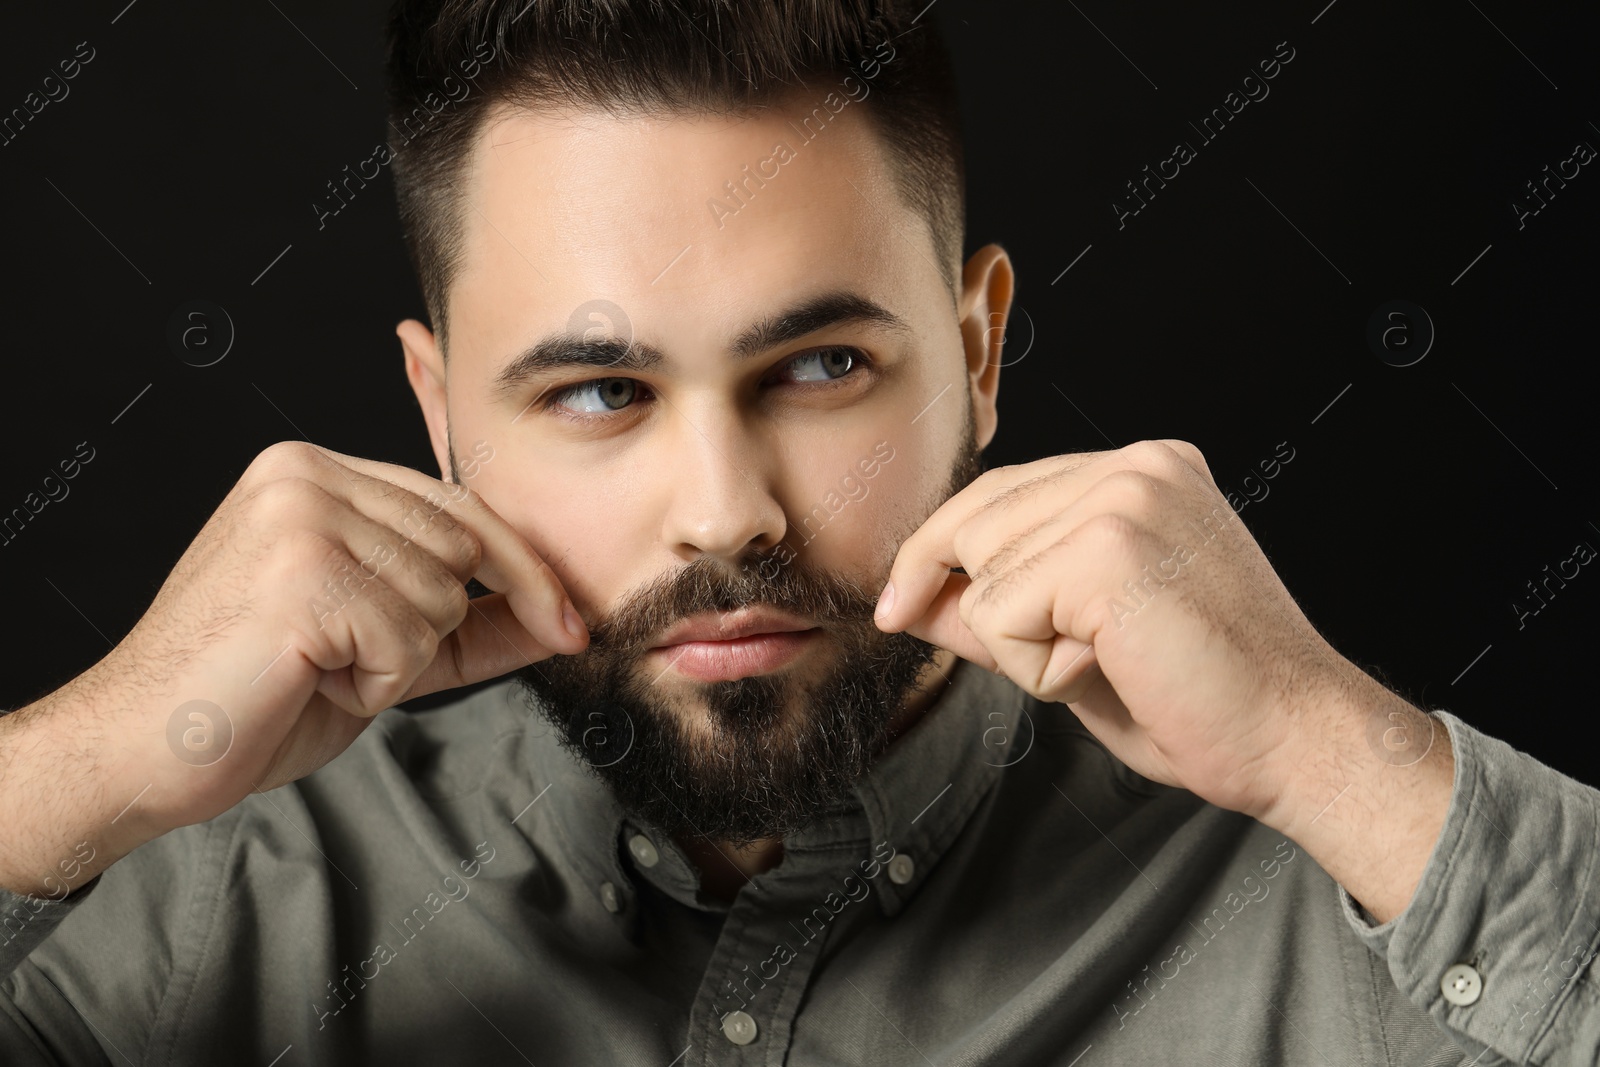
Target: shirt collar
[903,814]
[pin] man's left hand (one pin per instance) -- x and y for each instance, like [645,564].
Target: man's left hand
[1123,584]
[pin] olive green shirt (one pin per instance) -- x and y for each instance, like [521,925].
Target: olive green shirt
[457,888]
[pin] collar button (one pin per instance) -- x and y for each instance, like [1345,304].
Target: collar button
[643,851]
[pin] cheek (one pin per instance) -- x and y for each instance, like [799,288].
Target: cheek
[850,521]
[580,529]
[901,491]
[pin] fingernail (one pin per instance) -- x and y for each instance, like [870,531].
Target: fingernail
[885,601]
[572,620]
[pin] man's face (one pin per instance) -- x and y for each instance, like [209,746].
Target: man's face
[774,394]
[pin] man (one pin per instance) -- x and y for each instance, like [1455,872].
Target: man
[781,772]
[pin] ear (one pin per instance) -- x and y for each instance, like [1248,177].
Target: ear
[425,371]
[984,307]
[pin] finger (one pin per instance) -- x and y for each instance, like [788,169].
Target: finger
[1078,670]
[509,563]
[417,518]
[966,529]
[1013,522]
[922,565]
[1075,688]
[376,552]
[490,641]
[1017,617]
[1123,491]
[941,625]
[371,650]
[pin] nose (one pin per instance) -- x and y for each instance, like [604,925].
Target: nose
[718,474]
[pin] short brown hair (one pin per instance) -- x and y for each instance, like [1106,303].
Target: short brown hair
[693,56]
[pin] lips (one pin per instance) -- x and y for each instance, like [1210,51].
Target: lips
[731,626]
[725,646]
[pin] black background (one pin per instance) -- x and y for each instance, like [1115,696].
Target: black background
[1231,312]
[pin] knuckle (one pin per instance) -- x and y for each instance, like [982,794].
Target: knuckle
[284,458]
[452,498]
[466,551]
[968,601]
[303,551]
[458,604]
[1019,572]
[1185,450]
[280,505]
[422,644]
[412,638]
[1133,491]
[964,543]
[450,602]
[1009,553]
[1110,531]
[413,518]
[427,518]
[448,544]
[1189,455]
[281,495]
[1156,457]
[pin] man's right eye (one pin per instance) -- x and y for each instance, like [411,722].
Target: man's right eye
[595,398]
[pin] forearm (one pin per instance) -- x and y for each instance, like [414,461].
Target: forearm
[62,807]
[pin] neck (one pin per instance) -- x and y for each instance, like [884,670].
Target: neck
[724,869]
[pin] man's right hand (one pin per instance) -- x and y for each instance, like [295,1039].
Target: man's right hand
[324,589]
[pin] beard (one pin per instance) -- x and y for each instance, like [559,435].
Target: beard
[750,758]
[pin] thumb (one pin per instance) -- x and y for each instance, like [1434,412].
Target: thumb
[488,643]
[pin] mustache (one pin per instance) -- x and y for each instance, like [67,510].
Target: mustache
[707,584]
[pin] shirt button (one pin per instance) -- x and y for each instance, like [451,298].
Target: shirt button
[1461,984]
[610,898]
[901,868]
[738,1027]
[644,850]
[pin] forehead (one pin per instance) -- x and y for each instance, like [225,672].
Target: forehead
[565,206]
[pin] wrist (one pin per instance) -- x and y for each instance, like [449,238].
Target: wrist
[1369,792]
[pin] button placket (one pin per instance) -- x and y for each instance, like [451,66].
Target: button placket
[764,960]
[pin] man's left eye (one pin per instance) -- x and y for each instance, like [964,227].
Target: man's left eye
[824,365]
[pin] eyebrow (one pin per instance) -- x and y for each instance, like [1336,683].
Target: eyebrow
[564,350]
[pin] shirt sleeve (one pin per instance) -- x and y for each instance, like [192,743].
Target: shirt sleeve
[25,921]
[1498,942]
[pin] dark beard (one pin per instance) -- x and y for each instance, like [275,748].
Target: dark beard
[772,754]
